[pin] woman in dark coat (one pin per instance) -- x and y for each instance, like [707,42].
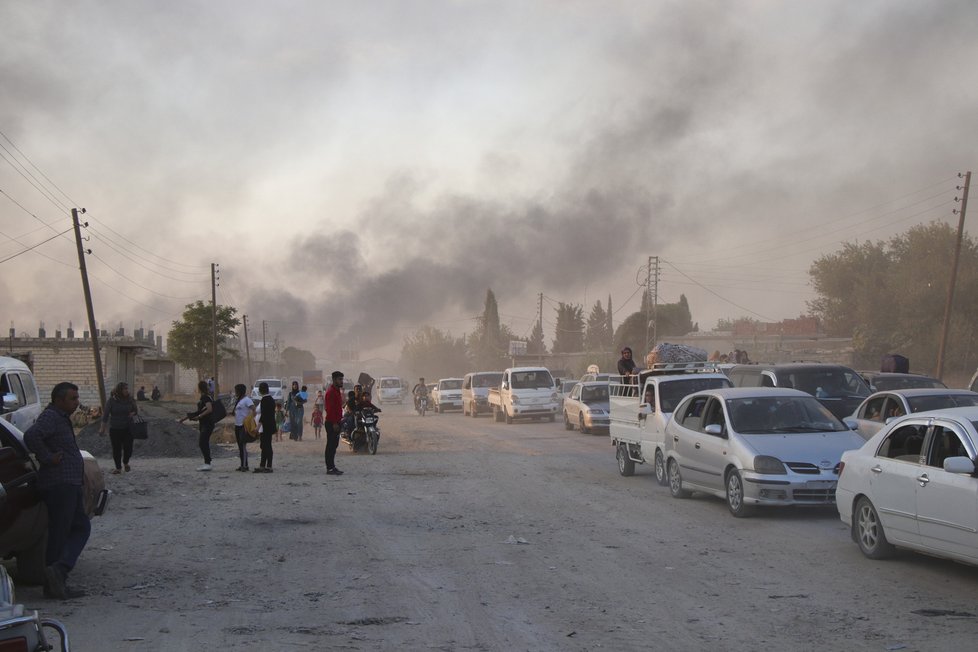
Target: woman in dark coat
[205,406]
[118,413]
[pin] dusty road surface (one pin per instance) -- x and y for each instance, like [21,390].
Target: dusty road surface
[463,534]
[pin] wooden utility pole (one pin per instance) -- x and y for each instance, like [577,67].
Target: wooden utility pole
[217,389]
[939,371]
[244,320]
[88,306]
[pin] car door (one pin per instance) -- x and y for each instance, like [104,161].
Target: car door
[574,404]
[892,481]
[711,449]
[870,416]
[947,503]
[686,439]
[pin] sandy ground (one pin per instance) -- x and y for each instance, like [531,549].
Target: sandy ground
[462,534]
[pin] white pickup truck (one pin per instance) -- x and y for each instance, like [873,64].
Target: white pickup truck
[642,405]
[524,393]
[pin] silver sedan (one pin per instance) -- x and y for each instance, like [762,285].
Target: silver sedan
[880,407]
[588,407]
[756,446]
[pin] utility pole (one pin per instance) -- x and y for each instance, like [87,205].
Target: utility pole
[651,301]
[264,346]
[88,305]
[655,303]
[217,389]
[244,320]
[939,371]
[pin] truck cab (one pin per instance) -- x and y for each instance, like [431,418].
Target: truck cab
[642,405]
[524,393]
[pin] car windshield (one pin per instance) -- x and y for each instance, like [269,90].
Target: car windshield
[532,379]
[886,383]
[673,391]
[826,383]
[450,384]
[487,380]
[939,402]
[274,384]
[568,386]
[597,394]
[778,415]
[391,383]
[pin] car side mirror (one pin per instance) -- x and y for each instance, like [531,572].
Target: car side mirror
[505,385]
[962,465]
[851,423]
[645,408]
[714,429]
[10,402]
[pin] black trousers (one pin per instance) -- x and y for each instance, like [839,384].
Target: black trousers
[265,441]
[121,439]
[206,430]
[332,443]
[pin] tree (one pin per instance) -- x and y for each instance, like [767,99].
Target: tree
[889,297]
[488,346]
[570,328]
[671,319]
[434,354]
[535,345]
[298,360]
[596,337]
[191,340]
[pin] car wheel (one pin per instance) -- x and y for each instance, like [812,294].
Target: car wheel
[567,424]
[869,532]
[626,466]
[735,495]
[676,481]
[580,424]
[496,416]
[660,469]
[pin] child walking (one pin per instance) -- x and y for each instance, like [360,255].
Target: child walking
[317,420]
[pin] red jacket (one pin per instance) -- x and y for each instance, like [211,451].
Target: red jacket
[334,404]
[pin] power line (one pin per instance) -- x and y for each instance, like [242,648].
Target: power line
[31,248]
[716,294]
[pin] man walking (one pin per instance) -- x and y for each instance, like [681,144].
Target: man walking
[59,481]
[334,414]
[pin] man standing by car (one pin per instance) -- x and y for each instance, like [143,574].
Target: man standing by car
[59,481]
[334,414]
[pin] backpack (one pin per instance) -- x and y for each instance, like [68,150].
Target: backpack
[218,410]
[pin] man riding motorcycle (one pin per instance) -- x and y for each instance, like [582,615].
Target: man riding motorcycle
[419,390]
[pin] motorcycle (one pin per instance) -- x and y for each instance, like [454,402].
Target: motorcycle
[421,404]
[22,631]
[366,434]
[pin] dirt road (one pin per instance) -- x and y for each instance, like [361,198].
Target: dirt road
[462,534]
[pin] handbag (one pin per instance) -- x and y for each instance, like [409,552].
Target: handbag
[250,428]
[139,428]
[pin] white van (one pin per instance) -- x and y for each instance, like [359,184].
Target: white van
[475,390]
[276,389]
[391,390]
[21,402]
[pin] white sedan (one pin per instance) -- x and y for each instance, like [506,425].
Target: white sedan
[873,413]
[913,485]
[756,446]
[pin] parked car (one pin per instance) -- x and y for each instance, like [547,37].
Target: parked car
[20,402]
[275,389]
[447,395]
[588,407]
[874,412]
[913,485]
[838,388]
[756,446]
[880,381]
[23,516]
[475,391]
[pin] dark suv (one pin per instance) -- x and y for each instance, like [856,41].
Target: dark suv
[838,388]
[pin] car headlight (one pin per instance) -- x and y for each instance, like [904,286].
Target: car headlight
[769,465]
[553,397]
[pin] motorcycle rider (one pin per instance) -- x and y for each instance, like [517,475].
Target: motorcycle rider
[419,390]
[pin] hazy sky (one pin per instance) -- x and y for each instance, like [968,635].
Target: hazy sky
[360,168]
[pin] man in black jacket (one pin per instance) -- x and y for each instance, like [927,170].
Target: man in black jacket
[626,366]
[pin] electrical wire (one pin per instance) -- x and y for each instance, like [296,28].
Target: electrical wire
[717,295]
[129,280]
[31,248]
